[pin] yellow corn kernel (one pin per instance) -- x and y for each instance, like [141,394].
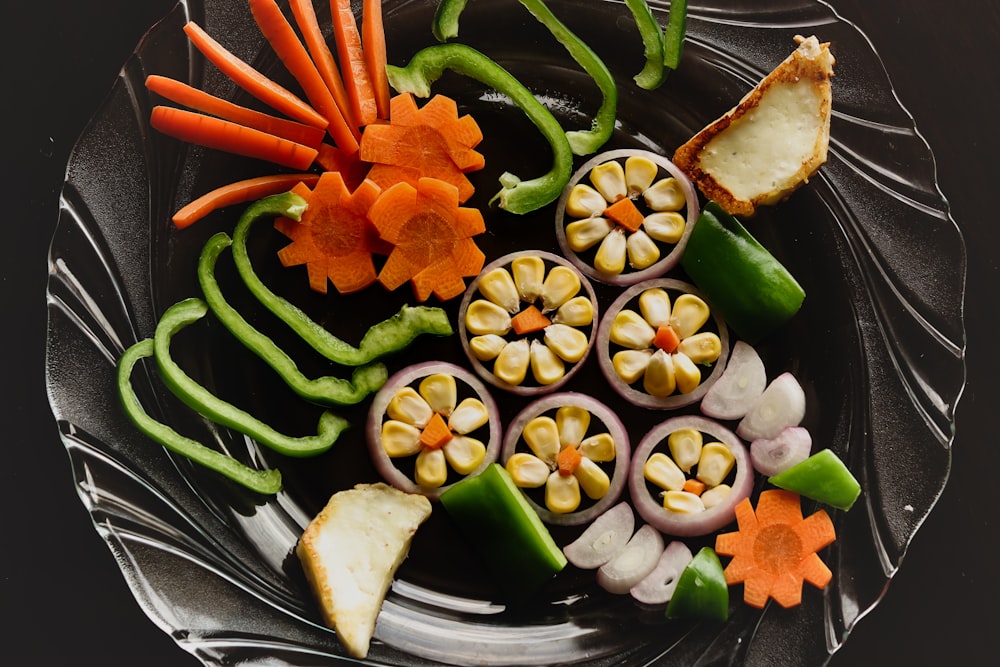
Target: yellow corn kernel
[468,416]
[562,493]
[661,470]
[582,235]
[569,343]
[572,421]
[609,179]
[599,447]
[685,447]
[665,226]
[410,407]
[715,463]
[687,375]
[659,378]
[542,436]
[464,454]
[640,172]
[561,285]
[642,251]
[512,363]
[584,202]
[485,317]
[701,348]
[486,347]
[654,304]
[440,392]
[715,495]
[431,468]
[577,312]
[688,315]
[682,502]
[630,330]
[612,253]
[528,274]
[593,480]
[631,364]
[527,471]
[497,285]
[665,195]
[400,438]
[546,366]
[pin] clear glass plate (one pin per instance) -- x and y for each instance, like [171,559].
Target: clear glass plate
[878,346]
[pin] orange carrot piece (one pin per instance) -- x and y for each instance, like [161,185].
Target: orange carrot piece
[352,62]
[312,34]
[695,486]
[252,81]
[199,100]
[625,213]
[239,192]
[436,434]
[666,338]
[373,43]
[225,135]
[529,320]
[568,459]
[350,165]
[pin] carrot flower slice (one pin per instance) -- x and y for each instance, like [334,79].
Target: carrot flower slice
[774,550]
[334,238]
[431,237]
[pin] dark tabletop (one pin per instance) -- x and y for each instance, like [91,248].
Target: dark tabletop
[64,601]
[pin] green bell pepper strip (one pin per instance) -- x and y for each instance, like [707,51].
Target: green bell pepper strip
[214,408]
[673,38]
[823,477]
[511,538]
[261,481]
[325,390]
[653,73]
[752,290]
[702,592]
[582,142]
[516,196]
[383,338]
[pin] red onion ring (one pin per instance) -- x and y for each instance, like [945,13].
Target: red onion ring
[486,373]
[615,428]
[404,378]
[641,398]
[689,525]
[665,263]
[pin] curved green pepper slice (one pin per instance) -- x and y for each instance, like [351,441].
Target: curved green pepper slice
[261,481]
[653,73]
[702,592]
[214,408]
[673,38]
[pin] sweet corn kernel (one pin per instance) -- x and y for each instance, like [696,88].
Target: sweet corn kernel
[561,285]
[654,304]
[683,502]
[630,330]
[512,363]
[464,454]
[400,438]
[599,447]
[546,366]
[584,202]
[485,317]
[640,172]
[687,375]
[562,493]
[701,348]
[665,195]
[497,285]
[665,226]
[688,315]
[608,178]
[642,251]
[661,470]
[542,436]
[659,378]
[431,468]
[468,416]
[715,495]
[631,364]
[715,463]
[577,312]
[572,421]
[612,253]
[527,471]
[582,235]
[569,343]
[486,347]
[685,447]
[410,407]
[593,480]
[528,274]
[440,392]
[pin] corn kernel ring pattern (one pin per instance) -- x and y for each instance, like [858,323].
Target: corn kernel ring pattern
[528,322]
[625,216]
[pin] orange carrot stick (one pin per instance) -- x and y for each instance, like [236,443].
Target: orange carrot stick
[373,42]
[352,62]
[529,320]
[238,192]
[191,97]
[231,137]
[252,81]
[282,38]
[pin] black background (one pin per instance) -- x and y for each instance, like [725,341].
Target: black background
[64,601]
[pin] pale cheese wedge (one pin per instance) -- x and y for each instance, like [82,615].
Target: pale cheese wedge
[350,553]
[770,143]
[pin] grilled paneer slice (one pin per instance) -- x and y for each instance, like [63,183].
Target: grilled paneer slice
[350,553]
[773,141]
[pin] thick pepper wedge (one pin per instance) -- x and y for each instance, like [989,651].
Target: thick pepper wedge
[518,547]
[751,289]
[702,592]
[823,477]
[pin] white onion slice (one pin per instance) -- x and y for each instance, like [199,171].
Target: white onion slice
[658,586]
[739,387]
[782,404]
[668,260]
[771,456]
[649,505]
[603,539]
[614,427]
[633,563]
[407,377]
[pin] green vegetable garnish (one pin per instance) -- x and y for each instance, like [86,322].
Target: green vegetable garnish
[702,592]
[653,73]
[823,477]
[673,39]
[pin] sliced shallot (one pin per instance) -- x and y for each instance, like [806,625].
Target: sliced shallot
[633,563]
[782,404]
[603,539]
[739,387]
[658,586]
[771,456]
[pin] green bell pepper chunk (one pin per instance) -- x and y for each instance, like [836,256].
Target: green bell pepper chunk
[702,592]
[823,477]
[516,196]
[261,481]
[383,338]
[495,515]
[751,289]
[214,408]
